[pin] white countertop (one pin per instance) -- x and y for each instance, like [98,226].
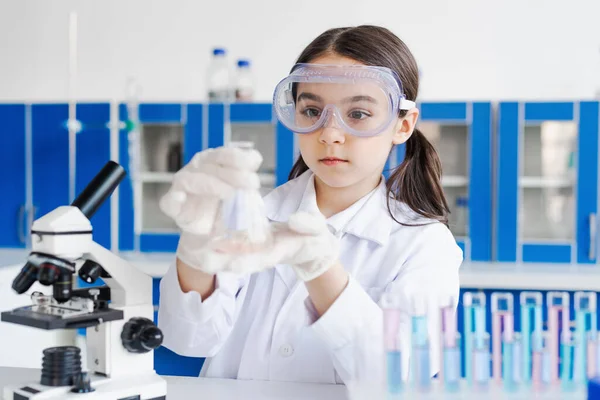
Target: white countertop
[186,388]
[216,389]
[479,275]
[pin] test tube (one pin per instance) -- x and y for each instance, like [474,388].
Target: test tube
[557,303]
[390,304]
[592,354]
[502,332]
[531,321]
[568,346]
[585,322]
[540,360]
[511,361]
[420,365]
[474,328]
[481,362]
[450,372]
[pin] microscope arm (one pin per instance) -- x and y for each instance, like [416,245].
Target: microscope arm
[128,285]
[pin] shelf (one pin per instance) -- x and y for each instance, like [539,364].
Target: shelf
[157,177]
[454,181]
[538,182]
[161,231]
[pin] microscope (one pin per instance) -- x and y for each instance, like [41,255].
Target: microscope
[117,316]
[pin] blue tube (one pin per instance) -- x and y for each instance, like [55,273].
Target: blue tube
[423,369]
[394,371]
[567,376]
[546,370]
[452,369]
[481,367]
[508,364]
[468,343]
[580,367]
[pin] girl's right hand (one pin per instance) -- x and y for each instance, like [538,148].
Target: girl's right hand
[194,199]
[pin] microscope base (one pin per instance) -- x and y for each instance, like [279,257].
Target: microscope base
[147,386]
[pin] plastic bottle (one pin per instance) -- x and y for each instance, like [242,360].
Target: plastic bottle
[219,78]
[244,84]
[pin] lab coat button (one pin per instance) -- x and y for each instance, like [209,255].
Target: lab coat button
[286,350]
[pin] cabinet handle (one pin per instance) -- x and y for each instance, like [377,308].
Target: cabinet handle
[21,221]
[593,233]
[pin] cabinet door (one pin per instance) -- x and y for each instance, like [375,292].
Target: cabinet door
[92,153]
[547,182]
[166,143]
[461,134]
[255,122]
[50,149]
[13,204]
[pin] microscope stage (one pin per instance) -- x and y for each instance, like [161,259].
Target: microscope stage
[51,317]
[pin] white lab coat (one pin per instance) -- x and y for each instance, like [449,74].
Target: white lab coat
[264,326]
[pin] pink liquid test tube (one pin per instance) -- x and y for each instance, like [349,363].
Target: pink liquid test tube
[502,329]
[390,303]
[557,303]
[592,355]
[448,331]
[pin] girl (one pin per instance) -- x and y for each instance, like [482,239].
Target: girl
[304,307]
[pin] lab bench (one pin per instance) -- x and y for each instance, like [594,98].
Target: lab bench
[474,276]
[216,389]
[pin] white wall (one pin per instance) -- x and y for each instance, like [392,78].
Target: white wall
[467,49]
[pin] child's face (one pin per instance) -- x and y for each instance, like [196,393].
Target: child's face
[338,158]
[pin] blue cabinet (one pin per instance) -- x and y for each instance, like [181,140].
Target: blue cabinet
[14,209]
[170,134]
[255,122]
[50,158]
[547,183]
[461,132]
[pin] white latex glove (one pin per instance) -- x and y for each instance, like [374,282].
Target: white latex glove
[194,199]
[304,242]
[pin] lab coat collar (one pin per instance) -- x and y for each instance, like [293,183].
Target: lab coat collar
[368,218]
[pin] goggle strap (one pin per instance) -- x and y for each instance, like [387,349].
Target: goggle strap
[406,104]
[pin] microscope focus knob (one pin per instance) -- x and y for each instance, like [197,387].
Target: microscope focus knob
[140,335]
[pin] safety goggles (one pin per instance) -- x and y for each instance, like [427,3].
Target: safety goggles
[361,100]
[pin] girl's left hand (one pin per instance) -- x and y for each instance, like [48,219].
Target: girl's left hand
[304,242]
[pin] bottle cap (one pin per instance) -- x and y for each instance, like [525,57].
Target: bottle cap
[243,63]
[219,51]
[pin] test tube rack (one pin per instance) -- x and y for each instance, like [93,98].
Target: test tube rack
[556,358]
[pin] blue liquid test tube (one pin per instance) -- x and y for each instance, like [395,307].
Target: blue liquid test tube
[474,326]
[420,368]
[390,304]
[511,362]
[451,362]
[568,346]
[481,362]
[585,323]
[531,321]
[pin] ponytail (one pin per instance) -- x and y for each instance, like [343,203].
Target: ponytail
[298,169]
[417,181]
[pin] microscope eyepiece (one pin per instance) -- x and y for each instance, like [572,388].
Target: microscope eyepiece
[99,189]
[26,278]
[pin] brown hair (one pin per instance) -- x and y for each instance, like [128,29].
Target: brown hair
[416,181]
